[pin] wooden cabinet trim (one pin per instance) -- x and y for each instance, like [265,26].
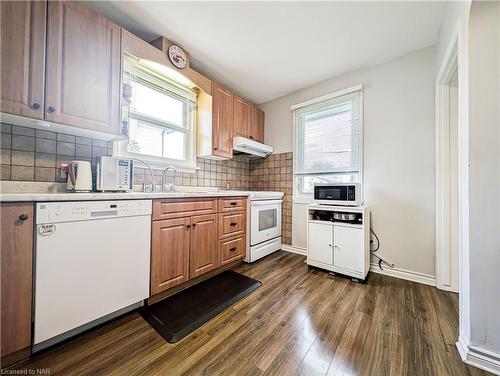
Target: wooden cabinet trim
[203,253]
[23,30]
[71,105]
[169,257]
[232,204]
[16,278]
[173,208]
[231,250]
[232,224]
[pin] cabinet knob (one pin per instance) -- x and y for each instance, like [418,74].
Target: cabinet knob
[194,225]
[23,217]
[329,245]
[35,106]
[233,249]
[51,109]
[188,226]
[251,137]
[233,224]
[234,203]
[215,148]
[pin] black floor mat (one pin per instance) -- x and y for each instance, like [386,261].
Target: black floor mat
[177,316]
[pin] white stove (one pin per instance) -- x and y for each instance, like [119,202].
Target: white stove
[264,220]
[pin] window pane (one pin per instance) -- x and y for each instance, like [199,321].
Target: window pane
[174,145]
[150,139]
[157,104]
[330,141]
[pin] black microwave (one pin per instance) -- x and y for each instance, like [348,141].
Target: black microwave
[347,194]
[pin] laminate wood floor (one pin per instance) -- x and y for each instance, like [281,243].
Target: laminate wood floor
[300,322]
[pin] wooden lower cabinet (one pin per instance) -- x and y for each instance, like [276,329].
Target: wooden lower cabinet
[170,253]
[203,256]
[207,234]
[231,250]
[16,279]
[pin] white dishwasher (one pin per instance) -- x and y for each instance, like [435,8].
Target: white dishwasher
[92,263]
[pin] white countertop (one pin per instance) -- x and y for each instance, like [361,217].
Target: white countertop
[89,196]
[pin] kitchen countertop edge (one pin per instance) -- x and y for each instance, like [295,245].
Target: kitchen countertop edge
[98,196]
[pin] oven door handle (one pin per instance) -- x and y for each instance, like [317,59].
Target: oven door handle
[266,202]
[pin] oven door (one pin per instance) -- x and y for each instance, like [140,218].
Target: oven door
[265,220]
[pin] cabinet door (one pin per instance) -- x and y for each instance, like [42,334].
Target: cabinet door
[83,68]
[242,117]
[222,122]
[169,253]
[257,125]
[16,268]
[320,243]
[23,57]
[348,248]
[203,254]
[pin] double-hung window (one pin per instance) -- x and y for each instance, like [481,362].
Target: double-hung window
[328,141]
[159,114]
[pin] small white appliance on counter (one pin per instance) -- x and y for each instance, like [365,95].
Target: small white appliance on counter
[114,174]
[265,224]
[92,264]
[79,177]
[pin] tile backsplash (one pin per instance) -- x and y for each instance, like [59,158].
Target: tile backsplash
[275,173]
[35,155]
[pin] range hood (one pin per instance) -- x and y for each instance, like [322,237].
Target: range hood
[245,145]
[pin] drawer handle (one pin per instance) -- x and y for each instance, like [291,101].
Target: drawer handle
[233,203]
[233,249]
[233,224]
[23,217]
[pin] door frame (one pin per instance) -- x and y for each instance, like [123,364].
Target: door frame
[442,239]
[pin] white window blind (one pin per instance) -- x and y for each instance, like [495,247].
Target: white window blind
[327,142]
[160,116]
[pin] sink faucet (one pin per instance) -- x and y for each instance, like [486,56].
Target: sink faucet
[170,187]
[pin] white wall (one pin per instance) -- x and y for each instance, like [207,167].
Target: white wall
[484,141]
[398,153]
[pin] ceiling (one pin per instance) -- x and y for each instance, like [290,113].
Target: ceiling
[264,50]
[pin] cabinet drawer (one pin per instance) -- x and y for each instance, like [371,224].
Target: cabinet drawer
[230,204]
[232,224]
[174,208]
[232,249]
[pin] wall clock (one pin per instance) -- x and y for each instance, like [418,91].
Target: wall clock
[177,56]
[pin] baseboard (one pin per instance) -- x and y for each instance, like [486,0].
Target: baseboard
[292,249]
[404,274]
[477,357]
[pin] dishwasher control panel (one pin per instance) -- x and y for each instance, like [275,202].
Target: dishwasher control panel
[52,212]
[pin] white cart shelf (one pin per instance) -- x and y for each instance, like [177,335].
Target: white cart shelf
[339,247]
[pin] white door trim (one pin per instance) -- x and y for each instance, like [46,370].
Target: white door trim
[442,239]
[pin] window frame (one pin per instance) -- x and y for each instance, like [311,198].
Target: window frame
[120,146]
[301,197]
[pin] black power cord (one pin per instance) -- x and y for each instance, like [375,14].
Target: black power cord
[376,248]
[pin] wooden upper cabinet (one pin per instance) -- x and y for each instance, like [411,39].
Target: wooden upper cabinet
[203,255]
[169,253]
[16,269]
[23,57]
[257,125]
[83,68]
[242,117]
[222,122]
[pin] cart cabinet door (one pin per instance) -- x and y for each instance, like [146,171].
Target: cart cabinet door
[348,248]
[320,243]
